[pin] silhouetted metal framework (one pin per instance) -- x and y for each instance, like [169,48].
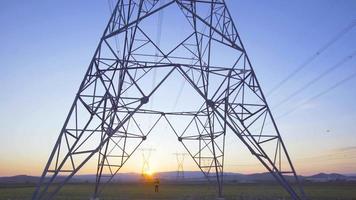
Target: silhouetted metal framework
[112,98]
[146,155]
[180,163]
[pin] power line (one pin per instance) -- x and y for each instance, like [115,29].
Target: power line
[158,44]
[180,91]
[336,85]
[316,79]
[117,44]
[320,94]
[313,57]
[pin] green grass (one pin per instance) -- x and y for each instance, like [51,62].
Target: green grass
[315,191]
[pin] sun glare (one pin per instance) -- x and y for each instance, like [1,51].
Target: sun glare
[149,173]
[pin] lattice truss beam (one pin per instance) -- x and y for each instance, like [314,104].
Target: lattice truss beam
[104,122]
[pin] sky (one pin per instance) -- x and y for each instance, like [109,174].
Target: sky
[46,47]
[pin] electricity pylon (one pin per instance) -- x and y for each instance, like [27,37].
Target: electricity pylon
[106,119]
[180,163]
[146,155]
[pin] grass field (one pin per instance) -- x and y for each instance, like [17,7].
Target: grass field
[315,191]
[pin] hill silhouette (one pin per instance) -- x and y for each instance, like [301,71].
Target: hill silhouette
[190,176]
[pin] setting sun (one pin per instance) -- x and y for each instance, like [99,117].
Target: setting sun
[149,173]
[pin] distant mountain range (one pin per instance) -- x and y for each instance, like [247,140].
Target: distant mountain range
[323,177]
[189,176]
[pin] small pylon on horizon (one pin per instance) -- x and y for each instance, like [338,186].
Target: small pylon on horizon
[180,165]
[146,155]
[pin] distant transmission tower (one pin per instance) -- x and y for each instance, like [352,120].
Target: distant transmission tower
[146,155]
[105,123]
[180,162]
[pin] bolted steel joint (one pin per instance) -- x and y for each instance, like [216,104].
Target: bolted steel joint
[144,100]
[210,103]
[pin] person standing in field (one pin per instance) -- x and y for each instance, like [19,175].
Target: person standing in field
[156,183]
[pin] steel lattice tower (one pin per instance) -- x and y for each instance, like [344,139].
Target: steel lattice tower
[104,120]
[180,163]
[146,154]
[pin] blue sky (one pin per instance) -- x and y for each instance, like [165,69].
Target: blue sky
[46,47]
